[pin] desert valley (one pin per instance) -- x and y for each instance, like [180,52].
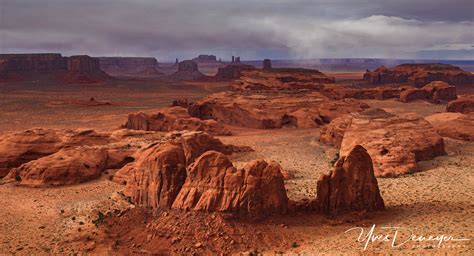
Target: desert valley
[289,127]
[131,156]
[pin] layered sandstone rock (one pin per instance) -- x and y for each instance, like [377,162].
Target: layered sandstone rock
[269,111]
[214,184]
[419,75]
[453,125]
[203,58]
[463,104]
[350,186]
[281,79]
[68,166]
[435,92]
[395,143]
[173,118]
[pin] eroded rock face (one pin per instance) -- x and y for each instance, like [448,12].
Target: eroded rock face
[333,133]
[157,175]
[173,118]
[463,105]
[395,143]
[453,125]
[67,166]
[350,186]
[270,111]
[214,184]
[435,92]
[419,75]
[84,69]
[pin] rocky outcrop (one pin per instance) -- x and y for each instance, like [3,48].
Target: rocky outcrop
[435,92]
[350,186]
[173,118]
[214,184]
[453,125]
[419,75]
[130,66]
[65,167]
[270,111]
[157,175]
[281,79]
[395,143]
[231,72]
[464,104]
[187,70]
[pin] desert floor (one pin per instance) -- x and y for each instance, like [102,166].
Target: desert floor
[439,200]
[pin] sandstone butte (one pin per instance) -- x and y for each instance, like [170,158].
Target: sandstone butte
[187,70]
[130,66]
[419,75]
[350,186]
[395,143]
[173,118]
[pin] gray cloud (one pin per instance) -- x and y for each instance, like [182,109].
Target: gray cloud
[251,29]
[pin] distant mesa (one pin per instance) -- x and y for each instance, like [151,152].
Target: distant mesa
[187,70]
[232,71]
[74,69]
[205,59]
[267,64]
[130,66]
[419,75]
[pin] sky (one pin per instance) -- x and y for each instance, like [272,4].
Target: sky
[277,29]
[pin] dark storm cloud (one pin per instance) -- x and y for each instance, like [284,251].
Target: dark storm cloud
[252,29]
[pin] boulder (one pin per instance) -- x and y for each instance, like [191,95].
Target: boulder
[463,105]
[453,125]
[395,143]
[173,118]
[350,186]
[67,166]
[214,184]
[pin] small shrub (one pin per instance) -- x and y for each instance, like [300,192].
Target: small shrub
[18,178]
[294,245]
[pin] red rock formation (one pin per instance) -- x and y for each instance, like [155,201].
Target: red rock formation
[231,72]
[435,92]
[22,147]
[395,143]
[155,178]
[281,79]
[84,69]
[463,104]
[419,75]
[214,184]
[187,70]
[351,186]
[328,111]
[173,118]
[65,167]
[453,125]
[269,111]
[333,133]
[130,66]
